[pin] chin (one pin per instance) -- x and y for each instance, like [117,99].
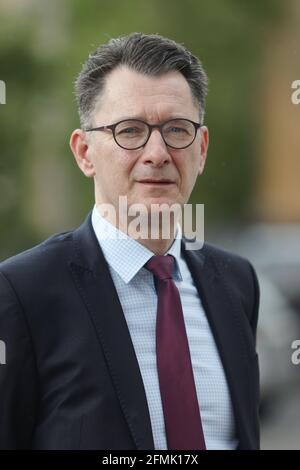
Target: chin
[159,200]
[161,205]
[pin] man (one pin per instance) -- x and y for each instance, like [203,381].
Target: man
[118,341]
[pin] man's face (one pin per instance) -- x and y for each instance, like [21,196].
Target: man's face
[119,172]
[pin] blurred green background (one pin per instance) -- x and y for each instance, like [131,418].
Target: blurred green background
[250,186]
[42,47]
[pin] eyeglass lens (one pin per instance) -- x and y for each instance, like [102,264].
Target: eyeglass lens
[132,134]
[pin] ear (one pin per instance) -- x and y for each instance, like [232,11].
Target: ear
[203,148]
[81,149]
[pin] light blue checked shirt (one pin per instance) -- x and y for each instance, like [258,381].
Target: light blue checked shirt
[135,287]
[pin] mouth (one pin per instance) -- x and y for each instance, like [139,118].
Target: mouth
[153,182]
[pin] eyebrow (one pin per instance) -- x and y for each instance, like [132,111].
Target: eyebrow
[142,118]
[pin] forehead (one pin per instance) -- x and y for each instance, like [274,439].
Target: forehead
[128,93]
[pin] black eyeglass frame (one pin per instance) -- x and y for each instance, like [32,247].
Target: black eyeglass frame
[112,127]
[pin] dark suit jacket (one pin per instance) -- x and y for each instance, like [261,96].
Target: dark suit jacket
[71,378]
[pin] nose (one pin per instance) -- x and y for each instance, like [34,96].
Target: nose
[156,151]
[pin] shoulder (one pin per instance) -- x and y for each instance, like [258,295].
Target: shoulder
[221,260]
[226,261]
[234,268]
[41,257]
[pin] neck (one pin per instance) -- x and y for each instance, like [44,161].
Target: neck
[159,246]
[156,233]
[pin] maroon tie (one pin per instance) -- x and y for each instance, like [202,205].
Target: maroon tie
[177,387]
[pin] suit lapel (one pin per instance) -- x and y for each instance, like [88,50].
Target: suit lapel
[94,282]
[223,314]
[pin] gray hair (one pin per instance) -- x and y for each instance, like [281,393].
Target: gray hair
[149,54]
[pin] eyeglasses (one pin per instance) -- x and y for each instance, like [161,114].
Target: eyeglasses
[132,134]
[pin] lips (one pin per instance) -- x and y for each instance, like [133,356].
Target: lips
[155,181]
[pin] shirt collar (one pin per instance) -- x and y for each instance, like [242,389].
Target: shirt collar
[126,255]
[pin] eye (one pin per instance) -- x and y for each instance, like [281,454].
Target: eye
[129,130]
[176,130]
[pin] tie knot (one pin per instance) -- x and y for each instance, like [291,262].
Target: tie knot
[161,266]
